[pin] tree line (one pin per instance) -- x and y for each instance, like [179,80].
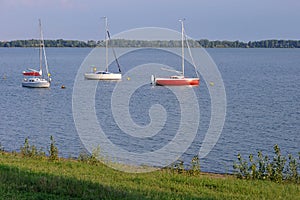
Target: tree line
[251,44]
[157,43]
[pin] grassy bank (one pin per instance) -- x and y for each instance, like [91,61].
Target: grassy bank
[39,178]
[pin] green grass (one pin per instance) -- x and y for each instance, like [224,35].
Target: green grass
[38,178]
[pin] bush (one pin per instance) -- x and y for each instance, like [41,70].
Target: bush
[278,170]
[180,167]
[53,151]
[292,169]
[1,148]
[28,150]
[92,158]
[195,166]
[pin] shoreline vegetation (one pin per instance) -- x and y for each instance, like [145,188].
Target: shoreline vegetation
[122,43]
[31,174]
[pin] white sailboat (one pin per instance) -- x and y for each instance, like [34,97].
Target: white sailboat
[105,75]
[34,78]
[178,80]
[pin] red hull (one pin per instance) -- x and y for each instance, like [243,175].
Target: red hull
[31,74]
[177,82]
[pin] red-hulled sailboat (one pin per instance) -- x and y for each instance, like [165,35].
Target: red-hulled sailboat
[179,79]
[34,78]
[176,81]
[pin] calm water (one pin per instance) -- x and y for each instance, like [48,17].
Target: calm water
[263,109]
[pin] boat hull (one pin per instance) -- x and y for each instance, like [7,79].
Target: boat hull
[31,73]
[36,83]
[177,82]
[110,76]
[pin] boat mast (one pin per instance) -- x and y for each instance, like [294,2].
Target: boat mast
[182,45]
[44,51]
[106,45]
[41,46]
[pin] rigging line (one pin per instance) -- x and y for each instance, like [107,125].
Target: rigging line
[43,48]
[187,43]
[114,52]
[171,70]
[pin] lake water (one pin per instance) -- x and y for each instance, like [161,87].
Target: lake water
[262,90]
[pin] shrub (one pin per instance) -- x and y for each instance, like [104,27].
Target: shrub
[53,151]
[278,165]
[292,169]
[28,150]
[241,167]
[92,158]
[262,168]
[1,148]
[195,166]
[262,165]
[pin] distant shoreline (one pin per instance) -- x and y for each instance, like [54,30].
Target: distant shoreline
[122,43]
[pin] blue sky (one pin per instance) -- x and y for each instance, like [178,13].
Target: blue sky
[242,20]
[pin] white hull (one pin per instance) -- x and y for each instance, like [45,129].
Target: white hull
[36,83]
[110,76]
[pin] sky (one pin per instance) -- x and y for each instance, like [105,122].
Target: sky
[242,20]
